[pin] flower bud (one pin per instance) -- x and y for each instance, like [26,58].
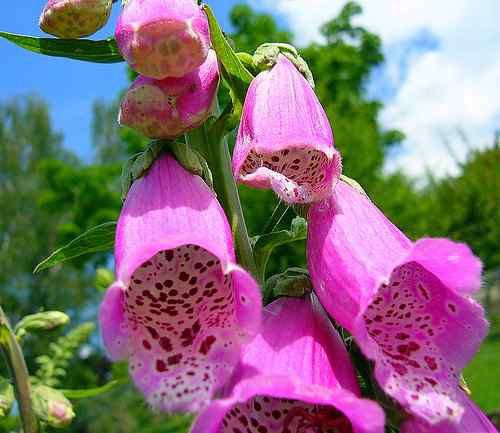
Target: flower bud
[168,108]
[45,321]
[161,39]
[52,407]
[103,279]
[74,18]
[6,396]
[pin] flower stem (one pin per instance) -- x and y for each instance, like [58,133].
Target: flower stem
[215,150]
[19,372]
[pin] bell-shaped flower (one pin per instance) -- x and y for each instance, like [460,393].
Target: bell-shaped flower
[285,141]
[170,107]
[180,307]
[295,376]
[472,421]
[163,38]
[406,303]
[74,18]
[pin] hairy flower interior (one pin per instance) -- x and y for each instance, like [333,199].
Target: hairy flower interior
[273,415]
[405,320]
[302,170]
[166,49]
[179,306]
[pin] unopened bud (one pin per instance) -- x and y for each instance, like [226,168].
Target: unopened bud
[52,407]
[103,279]
[160,38]
[6,397]
[45,321]
[74,18]
[166,109]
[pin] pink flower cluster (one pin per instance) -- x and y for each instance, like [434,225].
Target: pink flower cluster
[191,321]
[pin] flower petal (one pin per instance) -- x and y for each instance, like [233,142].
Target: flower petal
[161,39]
[285,141]
[188,307]
[113,323]
[170,107]
[292,378]
[473,421]
[398,300]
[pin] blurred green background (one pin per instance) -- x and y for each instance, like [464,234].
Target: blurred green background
[49,196]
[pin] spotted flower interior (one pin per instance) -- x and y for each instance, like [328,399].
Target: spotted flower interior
[180,310]
[274,415]
[416,321]
[296,174]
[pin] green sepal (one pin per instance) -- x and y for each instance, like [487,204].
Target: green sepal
[266,56]
[265,244]
[294,282]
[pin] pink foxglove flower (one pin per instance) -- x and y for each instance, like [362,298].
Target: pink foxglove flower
[285,141]
[407,304]
[295,376]
[168,108]
[180,308]
[163,38]
[74,18]
[473,421]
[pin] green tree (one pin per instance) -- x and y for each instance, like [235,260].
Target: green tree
[27,230]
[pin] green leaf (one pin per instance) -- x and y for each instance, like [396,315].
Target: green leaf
[104,51]
[265,244]
[100,238]
[234,73]
[77,394]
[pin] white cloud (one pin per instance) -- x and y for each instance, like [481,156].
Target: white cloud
[455,86]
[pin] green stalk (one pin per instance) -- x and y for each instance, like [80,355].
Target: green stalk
[19,372]
[216,151]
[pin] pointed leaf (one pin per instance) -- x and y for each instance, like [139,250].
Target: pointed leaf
[100,238]
[104,51]
[234,73]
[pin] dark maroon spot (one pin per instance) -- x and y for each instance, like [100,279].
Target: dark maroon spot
[165,344]
[183,276]
[207,344]
[153,332]
[161,366]
[174,359]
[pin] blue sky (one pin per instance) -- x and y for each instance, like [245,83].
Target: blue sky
[439,82]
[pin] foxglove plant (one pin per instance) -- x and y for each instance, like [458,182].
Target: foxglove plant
[161,39]
[180,307]
[408,305]
[74,18]
[169,108]
[185,310]
[285,141]
[296,378]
